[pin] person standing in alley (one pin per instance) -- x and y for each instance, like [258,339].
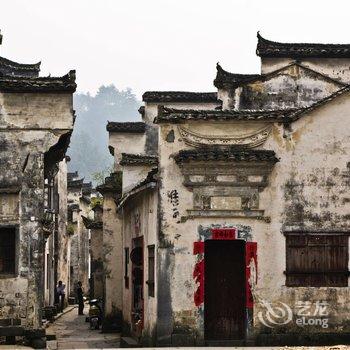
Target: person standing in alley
[80,299]
[60,290]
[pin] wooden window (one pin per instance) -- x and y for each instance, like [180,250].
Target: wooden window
[151,267]
[126,267]
[317,260]
[7,250]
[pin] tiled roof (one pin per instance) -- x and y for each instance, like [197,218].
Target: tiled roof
[72,175]
[179,96]
[87,188]
[11,68]
[141,110]
[224,78]
[112,184]
[231,154]
[73,206]
[42,84]
[172,115]
[138,159]
[267,48]
[126,127]
[75,183]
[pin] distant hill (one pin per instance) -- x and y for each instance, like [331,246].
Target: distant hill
[89,143]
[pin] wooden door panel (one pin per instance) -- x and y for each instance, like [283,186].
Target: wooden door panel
[224,293]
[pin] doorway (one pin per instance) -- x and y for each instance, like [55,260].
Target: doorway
[136,257]
[224,290]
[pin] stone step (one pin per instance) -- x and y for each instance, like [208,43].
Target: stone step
[50,336]
[11,331]
[218,343]
[128,342]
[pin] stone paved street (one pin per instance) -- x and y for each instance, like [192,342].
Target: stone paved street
[72,332]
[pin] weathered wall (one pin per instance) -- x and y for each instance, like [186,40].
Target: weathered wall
[36,111]
[311,194]
[132,175]
[96,254]
[84,249]
[126,143]
[74,260]
[26,133]
[73,196]
[112,262]
[140,220]
[293,86]
[307,189]
[63,249]
[79,250]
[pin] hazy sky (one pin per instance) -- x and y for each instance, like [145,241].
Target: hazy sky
[159,44]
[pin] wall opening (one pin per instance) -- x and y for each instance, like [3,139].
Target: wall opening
[224,290]
[7,250]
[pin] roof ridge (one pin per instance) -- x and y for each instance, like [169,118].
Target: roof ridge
[12,68]
[42,84]
[228,111]
[320,103]
[139,155]
[237,78]
[5,60]
[269,48]
[138,159]
[232,153]
[179,96]
[173,115]
[126,127]
[261,38]
[219,68]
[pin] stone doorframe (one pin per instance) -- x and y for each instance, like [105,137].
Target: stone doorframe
[225,232]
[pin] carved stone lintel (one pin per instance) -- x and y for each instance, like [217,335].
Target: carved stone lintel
[226,213]
[250,140]
[222,190]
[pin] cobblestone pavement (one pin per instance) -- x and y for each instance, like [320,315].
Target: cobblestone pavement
[72,332]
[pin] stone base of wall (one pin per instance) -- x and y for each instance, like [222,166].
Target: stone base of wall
[35,338]
[290,339]
[112,322]
[295,339]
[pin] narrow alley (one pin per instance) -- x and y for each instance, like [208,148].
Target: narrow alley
[72,332]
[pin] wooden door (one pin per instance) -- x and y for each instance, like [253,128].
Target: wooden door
[224,290]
